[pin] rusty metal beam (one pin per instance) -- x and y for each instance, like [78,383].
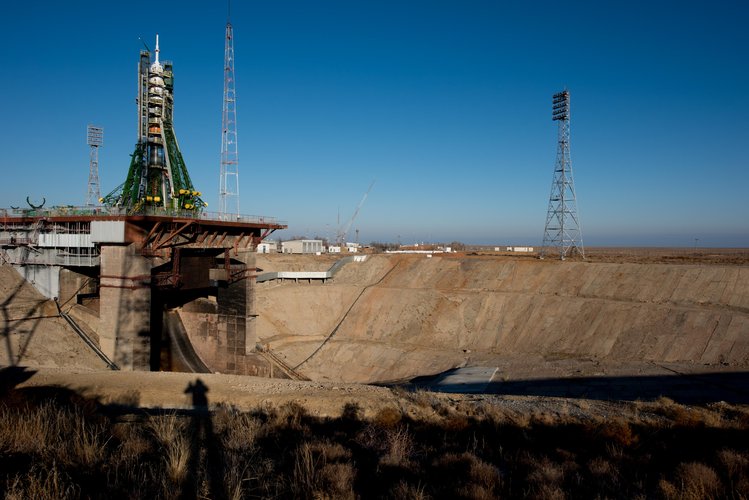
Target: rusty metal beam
[236,244]
[267,232]
[174,234]
[223,237]
[150,233]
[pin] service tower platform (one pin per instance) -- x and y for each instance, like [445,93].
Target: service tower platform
[134,266]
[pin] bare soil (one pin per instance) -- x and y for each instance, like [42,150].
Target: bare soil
[392,318]
[399,316]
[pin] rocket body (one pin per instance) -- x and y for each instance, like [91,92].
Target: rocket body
[157,177]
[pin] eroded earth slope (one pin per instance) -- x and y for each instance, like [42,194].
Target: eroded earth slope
[394,317]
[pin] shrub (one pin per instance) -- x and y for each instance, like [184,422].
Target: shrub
[619,432]
[317,475]
[697,480]
[403,490]
[399,446]
[388,417]
[466,475]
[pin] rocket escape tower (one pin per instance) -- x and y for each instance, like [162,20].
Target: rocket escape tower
[562,232]
[157,177]
[228,195]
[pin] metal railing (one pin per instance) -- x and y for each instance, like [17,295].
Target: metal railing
[48,259]
[73,211]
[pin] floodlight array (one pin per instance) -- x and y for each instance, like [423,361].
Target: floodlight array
[560,108]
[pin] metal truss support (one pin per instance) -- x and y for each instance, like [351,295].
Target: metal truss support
[95,136]
[228,195]
[562,233]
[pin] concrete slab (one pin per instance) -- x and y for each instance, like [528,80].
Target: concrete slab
[471,380]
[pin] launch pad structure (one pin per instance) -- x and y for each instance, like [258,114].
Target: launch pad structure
[149,249]
[137,266]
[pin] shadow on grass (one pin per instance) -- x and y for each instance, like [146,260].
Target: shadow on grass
[284,452]
[206,458]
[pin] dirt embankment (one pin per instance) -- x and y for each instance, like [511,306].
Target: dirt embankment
[395,317]
[32,333]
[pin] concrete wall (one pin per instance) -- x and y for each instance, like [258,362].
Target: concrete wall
[222,331]
[125,307]
[210,341]
[46,279]
[73,283]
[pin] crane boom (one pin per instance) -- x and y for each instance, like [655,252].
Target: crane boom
[343,231]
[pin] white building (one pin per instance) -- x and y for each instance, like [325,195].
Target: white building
[520,249]
[302,246]
[268,246]
[352,247]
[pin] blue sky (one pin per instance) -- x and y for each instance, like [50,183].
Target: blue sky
[445,103]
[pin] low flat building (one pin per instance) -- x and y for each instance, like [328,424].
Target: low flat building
[302,246]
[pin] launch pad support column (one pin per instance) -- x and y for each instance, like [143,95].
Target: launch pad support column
[125,306]
[248,257]
[236,326]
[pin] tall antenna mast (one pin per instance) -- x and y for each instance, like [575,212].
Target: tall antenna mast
[228,198]
[562,232]
[95,138]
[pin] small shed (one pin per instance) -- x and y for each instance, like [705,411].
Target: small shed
[267,246]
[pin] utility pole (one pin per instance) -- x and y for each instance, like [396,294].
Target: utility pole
[562,232]
[95,138]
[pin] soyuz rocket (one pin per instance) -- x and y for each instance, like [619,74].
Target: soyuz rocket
[157,93]
[157,177]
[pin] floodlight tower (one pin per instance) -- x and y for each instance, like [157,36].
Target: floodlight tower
[562,229]
[228,196]
[95,137]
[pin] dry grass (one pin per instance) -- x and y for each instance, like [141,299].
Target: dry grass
[239,430]
[322,470]
[399,446]
[686,416]
[67,448]
[170,431]
[404,490]
[693,481]
[474,478]
[388,417]
[42,484]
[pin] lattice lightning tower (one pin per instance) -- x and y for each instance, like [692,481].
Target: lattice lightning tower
[229,188]
[562,232]
[95,138]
